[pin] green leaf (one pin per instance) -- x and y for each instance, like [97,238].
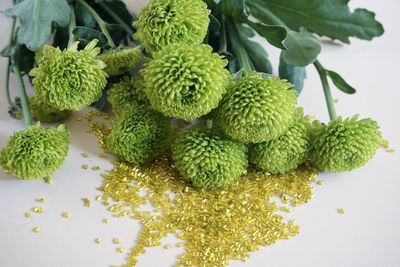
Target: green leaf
[215,25]
[258,56]
[331,18]
[340,83]
[83,17]
[295,75]
[85,35]
[23,58]
[275,35]
[36,18]
[302,48]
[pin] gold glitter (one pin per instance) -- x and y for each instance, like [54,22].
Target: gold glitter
[336,100]
[116,240]
[101,155]
[48,180]
[85,166]
[121,250]
[98,198]
[41,200]
[98,240]
[85,155]
[216,225]
[88,131]
[168,246]
[391,150]
[28,214]
[86,202]
[96,168]
[7,171]
[37,209]
[79,119]
[320,182]
[384,143]
[286,209]
[106,220]
[36,229]
[65,214]
[341,210]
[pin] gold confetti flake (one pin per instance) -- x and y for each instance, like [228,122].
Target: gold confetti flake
[86,202]
[286,209]
[391,150]
[106,220]
[341,210]
[37,209]
[116,240]
[336,100]
[98,240]
[320,182]
[7,171]
[181,244]
[41,200]
[79,119]
[48,180]
[28,214]
[88,131]
[85,166]
[121,250]
[384,143]
[96,168]
[101,155]
[36,229]
[85,155]
[168,246]
[65,214]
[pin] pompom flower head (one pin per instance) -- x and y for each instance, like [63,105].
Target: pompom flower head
[129,92]
[120,60]
[287,151]
[35,152]
[344,145]
[46,113]
[164,22]
[69,79]
[141,135]
[186,81]
[257,109]
[207,158]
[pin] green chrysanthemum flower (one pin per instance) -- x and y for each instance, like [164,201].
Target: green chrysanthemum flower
[35,152]
[186,81]
[287,151]
[120,60]
[257,109]
[164,22]
[207,158]
[46,113]
[344,145]
[129,92]
[69,79]
[140,135]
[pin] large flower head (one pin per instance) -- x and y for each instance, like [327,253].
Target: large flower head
[120,60]
[344,145]
[129,92]
[185,81]
[257,109]
[164,22]
[207,158]
[45,113]
[140,135]
[35,152]
[287,151]
[69,79]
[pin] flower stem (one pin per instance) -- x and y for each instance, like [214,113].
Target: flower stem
[71,27]
[102,24]
[24,101]
[239,49]
[223,47]
[7,79]
[327,90]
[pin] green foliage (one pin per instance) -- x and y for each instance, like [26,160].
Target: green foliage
[294,74]
[36,18]
[185,81]
[257,109]
[35,152]
[85,35]
[340,83]
[207,158]
[302,48]
[164,22]
[120,60]
[140,135]
[46,113]
[286,152]
[70,79]
[344,145]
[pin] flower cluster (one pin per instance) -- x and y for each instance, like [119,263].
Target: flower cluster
[207,158]
[35,152]
[164,22]
[45,113]
[120,60]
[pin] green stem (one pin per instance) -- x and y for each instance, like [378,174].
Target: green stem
[24,100]
[327,90]
[238,46]
[102,24]
[71,27]
[209,124]
[223,42]
[8,71]
[117,18]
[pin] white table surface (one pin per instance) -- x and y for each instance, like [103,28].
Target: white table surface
[367,234]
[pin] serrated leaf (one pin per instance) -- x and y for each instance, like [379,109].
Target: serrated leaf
[36,18]
[294,74]
[85,35]
[331,18]
[236,9]
[302,48]
[340,83]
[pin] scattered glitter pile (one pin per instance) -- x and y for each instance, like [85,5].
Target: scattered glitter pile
[216,226]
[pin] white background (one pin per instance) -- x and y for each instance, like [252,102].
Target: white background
[367,234]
